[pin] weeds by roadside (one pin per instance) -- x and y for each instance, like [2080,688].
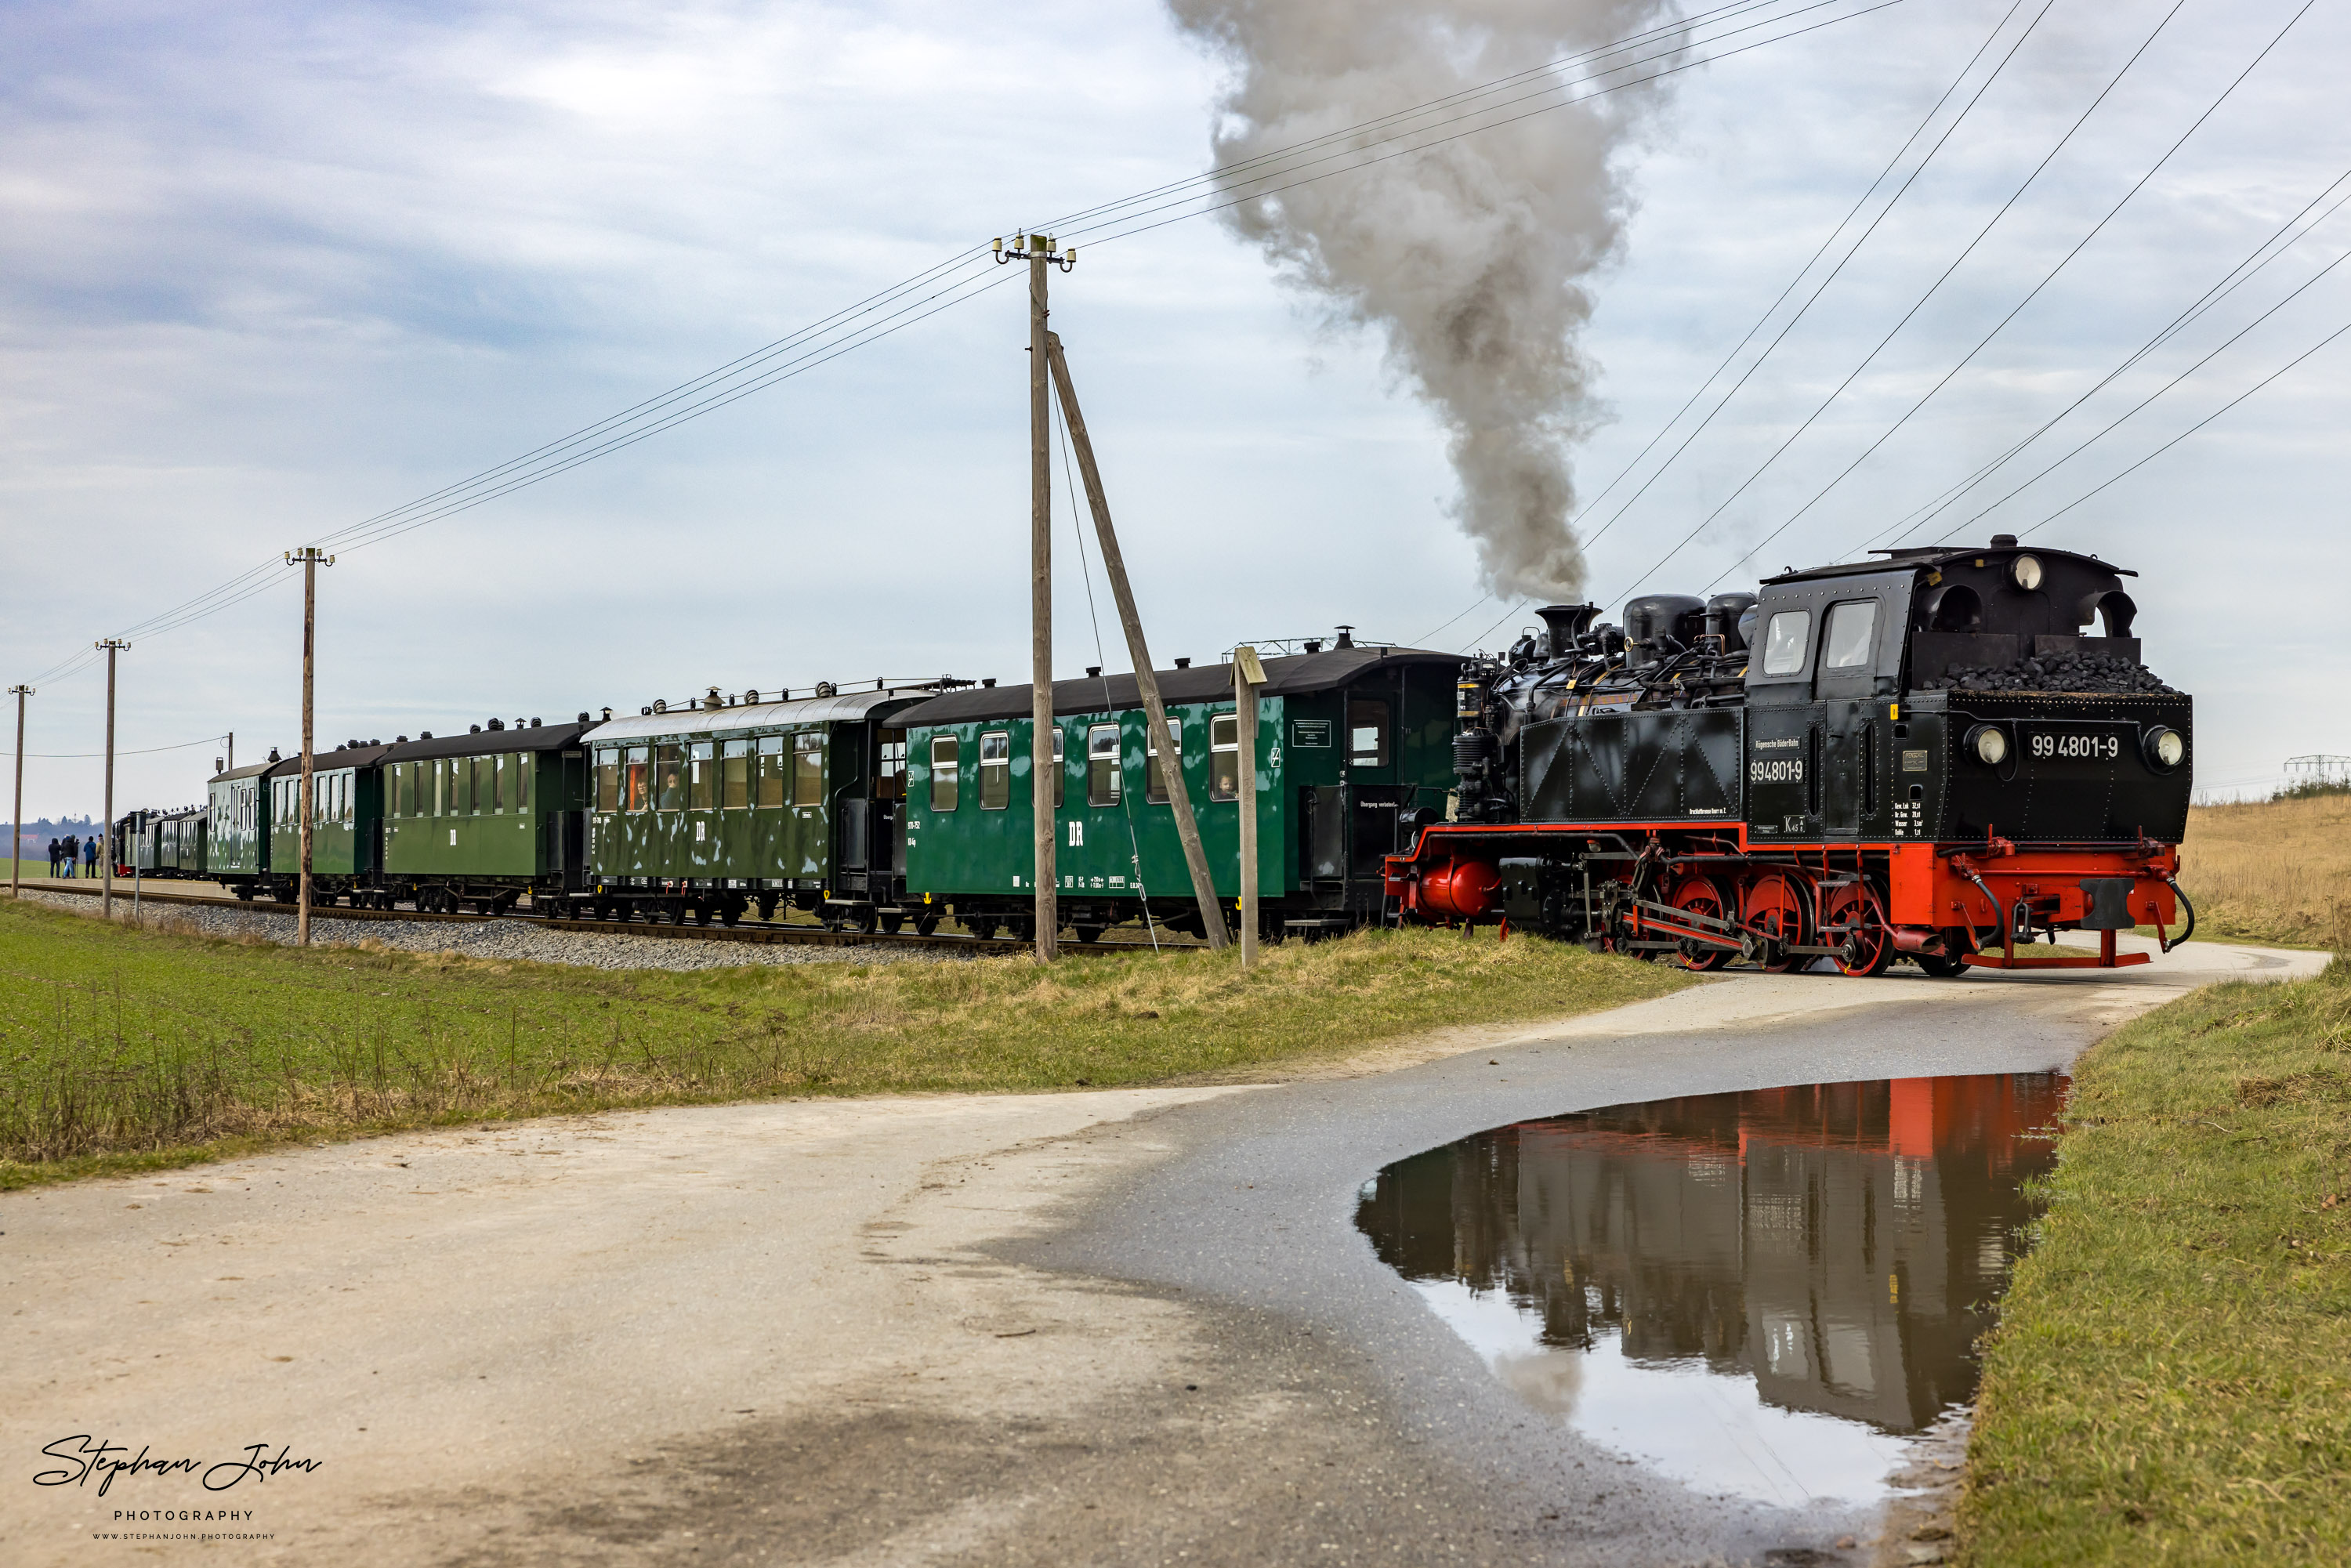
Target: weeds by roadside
[121,1048]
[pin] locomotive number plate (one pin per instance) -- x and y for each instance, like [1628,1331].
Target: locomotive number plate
[2073,743]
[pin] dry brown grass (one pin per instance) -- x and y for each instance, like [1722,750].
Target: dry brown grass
[2272,871]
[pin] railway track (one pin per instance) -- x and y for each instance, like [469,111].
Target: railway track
[753,931]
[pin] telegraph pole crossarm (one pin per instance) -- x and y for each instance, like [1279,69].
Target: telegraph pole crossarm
[310,560]
[17,816]
[110,646]
[1155,711]
[1042,253]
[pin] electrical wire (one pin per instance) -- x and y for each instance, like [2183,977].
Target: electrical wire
[1102,664]
[853,327]
[2188,431]
[1920,304]
[2236,277]
[1802,311]
[2031,294]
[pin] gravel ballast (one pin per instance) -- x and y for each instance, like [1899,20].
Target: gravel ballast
[502,940]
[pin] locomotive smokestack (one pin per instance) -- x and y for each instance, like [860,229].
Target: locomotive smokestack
[1469,257]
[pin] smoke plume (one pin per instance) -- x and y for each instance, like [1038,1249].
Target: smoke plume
[1469,257]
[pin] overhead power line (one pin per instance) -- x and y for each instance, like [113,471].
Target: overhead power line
[2237,276]
[966,274]
[2031,294]
[1932,290]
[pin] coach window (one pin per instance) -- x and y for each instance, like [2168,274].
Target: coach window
[943,773]
[522,781]
[1783,642]
[498,781]
[1101,764]
[669,776]
[736,770]
[1224,757]
[1154,783]
[808,768]
[473,775]
[770,770]
[996,770]
[702,775]
[343,783]
[1061,772]
[636,793]
[608,778]
[1367,732]
[1853,635]
[891,785]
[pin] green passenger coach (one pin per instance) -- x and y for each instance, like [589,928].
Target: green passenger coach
[345,826]
[485,818]
[733,803]
[236,832]
[1353,752]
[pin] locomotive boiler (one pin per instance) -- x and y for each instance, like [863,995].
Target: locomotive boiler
[1940,755]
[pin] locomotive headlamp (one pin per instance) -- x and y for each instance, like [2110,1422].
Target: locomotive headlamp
[2164,747]
[1990,744]
[2025,572]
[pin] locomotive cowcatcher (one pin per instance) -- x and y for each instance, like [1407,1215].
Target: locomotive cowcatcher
[1863,762]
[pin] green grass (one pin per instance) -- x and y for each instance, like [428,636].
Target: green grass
[127,1049]
[2171,1379]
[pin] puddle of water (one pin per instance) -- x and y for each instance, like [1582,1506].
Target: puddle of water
[1762,1293]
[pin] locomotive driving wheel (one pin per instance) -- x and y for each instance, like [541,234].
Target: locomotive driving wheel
[1868,945]
[1774,907]
[1700,895]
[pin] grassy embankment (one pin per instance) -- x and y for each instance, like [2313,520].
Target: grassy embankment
[132,1048]
[2171,1379]
[2272,871]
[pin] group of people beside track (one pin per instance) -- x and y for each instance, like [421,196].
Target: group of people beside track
[65,852]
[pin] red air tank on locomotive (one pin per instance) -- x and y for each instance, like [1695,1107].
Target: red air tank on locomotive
[1939,755]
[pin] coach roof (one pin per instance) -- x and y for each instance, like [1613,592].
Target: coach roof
[1292,676]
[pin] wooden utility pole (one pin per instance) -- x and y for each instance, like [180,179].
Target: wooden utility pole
[1248,675]
[105,837]
[1041,253]
[1155,712]
[310,560]
[17,818]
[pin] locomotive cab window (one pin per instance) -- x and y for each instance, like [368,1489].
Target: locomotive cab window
[1367,732]
[807,769]
[1224,757]
[1101,764]
[735,770]
[637,781]
[996,770]
[943,773]
[608,778]
[1853,635]
[1785,640]
[1154,783]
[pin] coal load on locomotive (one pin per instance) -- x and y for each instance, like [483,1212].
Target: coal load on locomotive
[1936,755]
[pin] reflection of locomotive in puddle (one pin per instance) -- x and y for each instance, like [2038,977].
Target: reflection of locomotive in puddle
[1841,1243]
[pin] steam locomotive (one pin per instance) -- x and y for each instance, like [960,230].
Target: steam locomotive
[1939,755]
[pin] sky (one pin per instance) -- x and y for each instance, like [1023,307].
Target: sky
[268,271]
